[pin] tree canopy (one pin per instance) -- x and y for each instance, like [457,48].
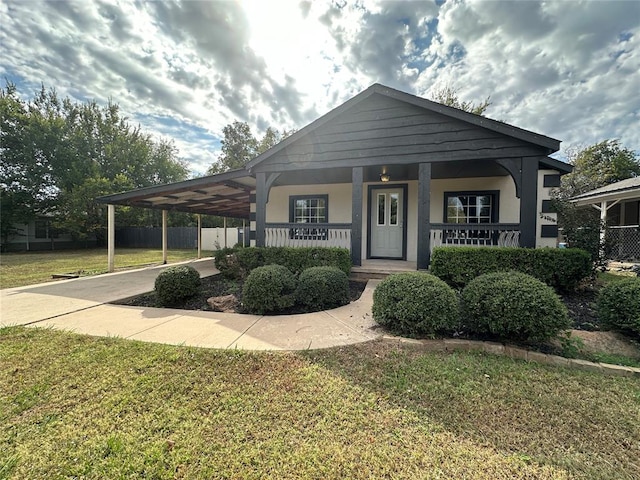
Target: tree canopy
[448,95]
[593,167]
[239,146]
[597,166]
[57,156]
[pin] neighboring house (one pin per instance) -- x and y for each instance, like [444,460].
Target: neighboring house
[619,206]
[387,175]
[39,235]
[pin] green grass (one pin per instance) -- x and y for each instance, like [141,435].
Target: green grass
[74,406]
[19,269]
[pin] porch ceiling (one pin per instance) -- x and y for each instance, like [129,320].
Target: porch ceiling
[225,195]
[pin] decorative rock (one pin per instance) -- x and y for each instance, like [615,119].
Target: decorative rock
[225,303]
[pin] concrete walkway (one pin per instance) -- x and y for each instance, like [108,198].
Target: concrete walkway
[81,306]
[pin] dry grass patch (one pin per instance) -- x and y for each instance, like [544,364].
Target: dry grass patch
[76,406]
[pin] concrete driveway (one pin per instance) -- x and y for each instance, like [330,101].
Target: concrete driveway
[81,305]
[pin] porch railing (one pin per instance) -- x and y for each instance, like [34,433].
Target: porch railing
[624,242]
[308,235]
[475,235]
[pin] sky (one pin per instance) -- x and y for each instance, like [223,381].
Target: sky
[184,70]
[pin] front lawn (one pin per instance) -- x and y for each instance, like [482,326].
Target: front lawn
[20,269]
[74,406]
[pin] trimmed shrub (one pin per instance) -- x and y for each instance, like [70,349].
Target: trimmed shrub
[176,283]
[561,268]
[320,288]
[268,289]
[618,305]
[415,303]
[238,262]
[513,306]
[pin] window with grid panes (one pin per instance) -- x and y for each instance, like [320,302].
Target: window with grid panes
[309,210]
[471,208]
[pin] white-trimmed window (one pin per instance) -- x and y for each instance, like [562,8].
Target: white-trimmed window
[471,207]
[309,209]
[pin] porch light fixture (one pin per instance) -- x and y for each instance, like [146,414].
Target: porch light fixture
[385,177]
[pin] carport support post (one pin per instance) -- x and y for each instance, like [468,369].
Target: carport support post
[199,236]
[111,236]
[224,219]
[164,237]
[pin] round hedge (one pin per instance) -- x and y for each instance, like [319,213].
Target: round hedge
[415,303]
[268,289]
[513,306]
[320,288]
[176,283]
[618,305]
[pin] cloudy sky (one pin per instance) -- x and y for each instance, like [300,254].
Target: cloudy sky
[184,70]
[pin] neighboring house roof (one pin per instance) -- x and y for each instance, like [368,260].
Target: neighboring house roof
[622,190]
[551,144]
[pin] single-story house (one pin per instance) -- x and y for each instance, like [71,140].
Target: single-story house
[619,206]
[388,175]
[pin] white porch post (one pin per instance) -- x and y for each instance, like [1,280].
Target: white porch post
[603,220]
[111,237]
[199,236]
[164,236]
[225,231]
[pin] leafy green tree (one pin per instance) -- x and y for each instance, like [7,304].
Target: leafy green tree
[59,155]
[448,95]
[239,146]
[593,167]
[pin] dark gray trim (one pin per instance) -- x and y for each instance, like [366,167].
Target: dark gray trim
[549,231]
[551,181]
[529,204]
[390,156]
[252,234]
[424,216]
[405,201]
[293,198]
[548,206]
[495,212]
[357,175]
[261,208]
[252,198]
[554,164]
[252,216]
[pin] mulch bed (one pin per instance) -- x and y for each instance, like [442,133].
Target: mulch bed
[217,285]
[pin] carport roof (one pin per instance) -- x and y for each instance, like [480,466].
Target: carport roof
[226,194]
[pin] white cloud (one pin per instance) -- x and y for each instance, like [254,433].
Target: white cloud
[186,69]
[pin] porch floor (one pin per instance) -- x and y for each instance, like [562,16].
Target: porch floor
[379,268]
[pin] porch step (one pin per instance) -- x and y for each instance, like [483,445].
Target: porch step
[378,269]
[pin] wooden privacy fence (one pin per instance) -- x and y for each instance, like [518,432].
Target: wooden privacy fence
[179,237]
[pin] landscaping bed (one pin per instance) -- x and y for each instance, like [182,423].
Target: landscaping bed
[217,285]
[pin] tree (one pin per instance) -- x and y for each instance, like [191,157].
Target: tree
[59,155]
[599,165]
[448,95]
[239,146]
[593,167]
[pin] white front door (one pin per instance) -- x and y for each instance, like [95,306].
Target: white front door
[387,223]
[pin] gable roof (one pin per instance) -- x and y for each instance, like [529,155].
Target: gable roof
[622,190]
[551,144]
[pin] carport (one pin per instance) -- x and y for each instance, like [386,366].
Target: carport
[227,195]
